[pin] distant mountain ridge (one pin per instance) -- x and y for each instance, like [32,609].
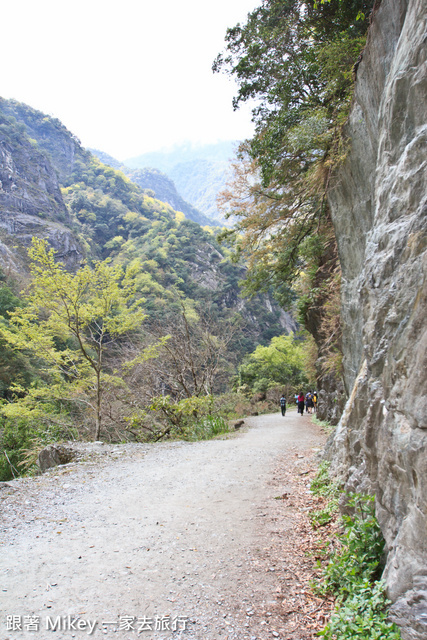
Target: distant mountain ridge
[160,184]
[199,172]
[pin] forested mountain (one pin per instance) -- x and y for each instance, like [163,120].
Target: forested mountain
[133,318]
[199,172]
[161,186]
[53,188]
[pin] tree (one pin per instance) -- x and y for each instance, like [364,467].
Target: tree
[298,60]
[281,363]
[193,357]
[193,361]
[295,58]
[71,322]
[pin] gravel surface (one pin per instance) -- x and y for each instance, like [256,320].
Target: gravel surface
[167,540]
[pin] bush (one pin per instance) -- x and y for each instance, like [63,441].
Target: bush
[353,572]
[21,440]
[209,427]
[353,576]
[362,616]
[232,405]
[361,546]
[16,437]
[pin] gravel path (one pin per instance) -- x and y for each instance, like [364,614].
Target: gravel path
[150,541]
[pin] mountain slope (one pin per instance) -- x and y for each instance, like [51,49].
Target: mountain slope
[162,186]
[199,172]
[96,211]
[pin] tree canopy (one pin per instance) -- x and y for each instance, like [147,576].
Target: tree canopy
[70,322]
[295,60]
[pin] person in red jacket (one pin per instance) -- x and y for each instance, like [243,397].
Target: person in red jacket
[300,402]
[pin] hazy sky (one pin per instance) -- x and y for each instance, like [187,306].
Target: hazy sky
[128,76]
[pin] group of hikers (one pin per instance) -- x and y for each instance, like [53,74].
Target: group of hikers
[307,401]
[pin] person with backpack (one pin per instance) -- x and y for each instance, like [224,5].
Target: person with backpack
[283,405]
[301,402]
[309,402]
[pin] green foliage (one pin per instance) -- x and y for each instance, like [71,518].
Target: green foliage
[322,485]
[102,199]
[208,427]
[15,368]
[279,363]
[320,517]
[187,417]
[15,439]
[353,576]
[114,217]
[163,188]
[8,300]
[193,418]
[56,377]
[180,260]
[363,615]
[278,57]
[362,545]
[70,322]
[295,59]
[352,573]
[198,172]
[232,405]
[21,439]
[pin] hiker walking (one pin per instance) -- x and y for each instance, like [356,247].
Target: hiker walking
[283,405]
[301,402]
[309,402]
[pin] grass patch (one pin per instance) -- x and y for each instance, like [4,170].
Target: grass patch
[322,485]
[327,426]
[207,428]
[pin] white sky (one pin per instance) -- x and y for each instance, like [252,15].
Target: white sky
[128,76]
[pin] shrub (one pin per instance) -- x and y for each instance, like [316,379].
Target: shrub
[322,485]
[362,616]
[352,575]
[206,428]
[360,552]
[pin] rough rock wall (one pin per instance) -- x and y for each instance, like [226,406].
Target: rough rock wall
[31,204]
[379,208]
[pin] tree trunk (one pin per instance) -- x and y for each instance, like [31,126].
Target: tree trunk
[98,406]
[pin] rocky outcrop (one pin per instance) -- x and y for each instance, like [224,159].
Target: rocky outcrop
[31,202]
[331,398]
[28,183]
[379,208]
[61,148]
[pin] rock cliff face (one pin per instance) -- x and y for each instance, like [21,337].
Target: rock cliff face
[31,203]
[379,210]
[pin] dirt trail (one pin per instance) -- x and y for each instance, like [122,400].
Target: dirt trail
[144,540]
